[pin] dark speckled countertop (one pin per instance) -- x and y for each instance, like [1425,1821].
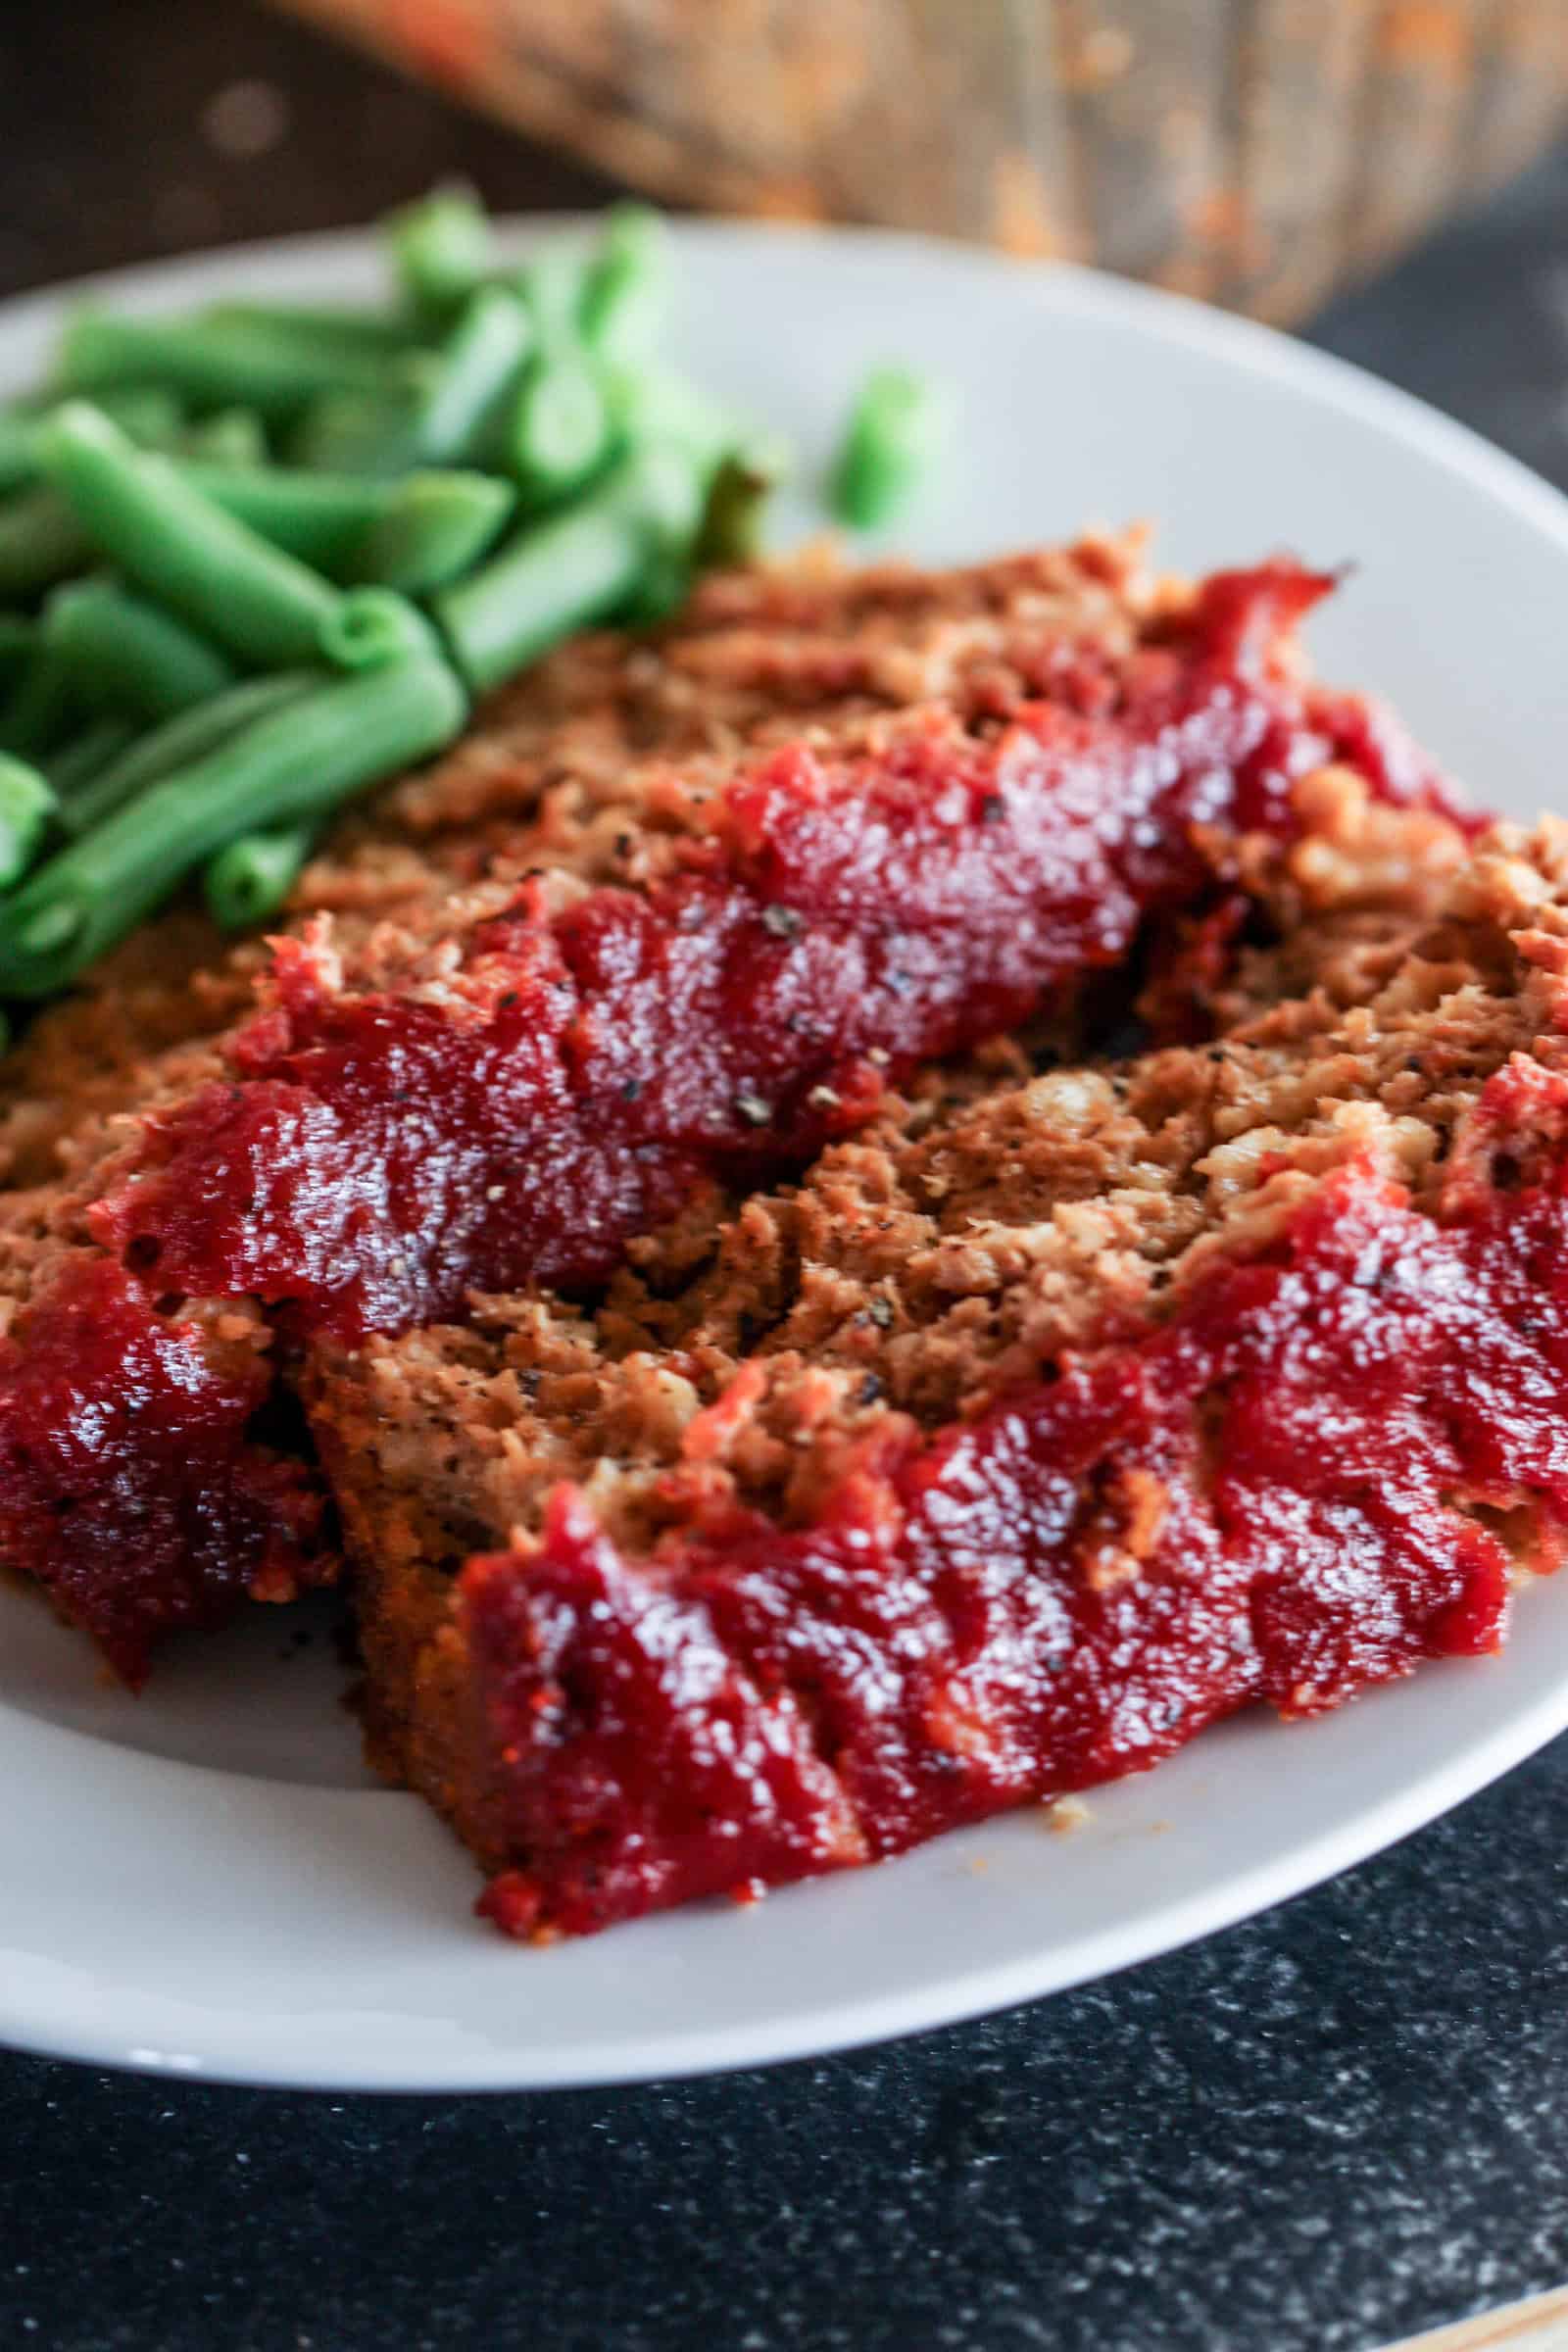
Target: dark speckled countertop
[1338,2125]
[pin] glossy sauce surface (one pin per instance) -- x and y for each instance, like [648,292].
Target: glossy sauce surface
[1259,1500]
[568,1085]
[376,1156]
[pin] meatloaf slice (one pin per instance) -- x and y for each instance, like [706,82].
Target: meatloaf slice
[694,967]
[1021,1439]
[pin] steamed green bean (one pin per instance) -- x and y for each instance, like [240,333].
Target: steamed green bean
[899,426]
[413,533]
[559,427]
[181,741]
[41,542]
[250,879]
[124,652]
[737,496]
[26,804]
[229,437]
[442,250]
[481,359]
[210,366]
[325,326]
[263,604]
[578,567]
[625,289]
[291,767]
[86,755]
[39,710]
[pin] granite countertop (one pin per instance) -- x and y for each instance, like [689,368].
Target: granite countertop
[1332,2126]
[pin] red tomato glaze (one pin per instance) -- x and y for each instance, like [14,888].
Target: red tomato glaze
[128,1477]
[1254,1502]
[379,1155]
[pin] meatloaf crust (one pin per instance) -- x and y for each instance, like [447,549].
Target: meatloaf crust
[1020,1439]
[865,821]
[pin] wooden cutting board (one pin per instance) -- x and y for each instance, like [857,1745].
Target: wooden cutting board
[1540,2324]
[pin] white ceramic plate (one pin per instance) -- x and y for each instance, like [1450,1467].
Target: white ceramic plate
[204,1880]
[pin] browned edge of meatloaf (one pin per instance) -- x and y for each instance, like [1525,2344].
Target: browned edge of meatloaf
[918,1268]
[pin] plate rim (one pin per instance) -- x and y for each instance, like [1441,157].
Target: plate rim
[989,1984]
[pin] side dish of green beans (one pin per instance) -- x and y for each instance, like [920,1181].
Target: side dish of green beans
[254,560]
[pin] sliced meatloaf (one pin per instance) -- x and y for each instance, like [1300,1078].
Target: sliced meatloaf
[666,927]
[1020,1439]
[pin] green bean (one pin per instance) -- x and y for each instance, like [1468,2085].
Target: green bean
[251,879]
[289,767]
[212,366]
[369,434]
[26,804]
[658,403]
[41,541]
[123,653]
[560,428]
[86,755]
[321,325]
[415,533]
[442,249]
[40,709]
[321,517]
[263,604]
[19,643]
[899,427]
[372,626]
[551,282]
[181,741]
[147,414]
[229,437]
[731,531]
[625,290]
[572,569]
[480,362]
[431,527]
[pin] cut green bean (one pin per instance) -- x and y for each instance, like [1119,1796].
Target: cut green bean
[121,652]
[321,325]
[415,533]
[19,643]
[263,604]
[625,289]
[209,366]
[372,626]
[738,495]
[551,283]
[292,766]
[181,741]
[660,404]
[26,804]
[229,437]
[430,528]
[41,542]
[40,710]
[442,250]
[250,880]
[141,410]
[560,428]
[482,360]
[88,754]
[369,434]
[899,428]
[572,569]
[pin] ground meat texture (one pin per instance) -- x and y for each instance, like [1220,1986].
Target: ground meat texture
[1020,1439]
[567,993]
[577,1073]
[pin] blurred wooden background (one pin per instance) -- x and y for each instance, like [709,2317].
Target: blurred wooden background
[1261,153]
